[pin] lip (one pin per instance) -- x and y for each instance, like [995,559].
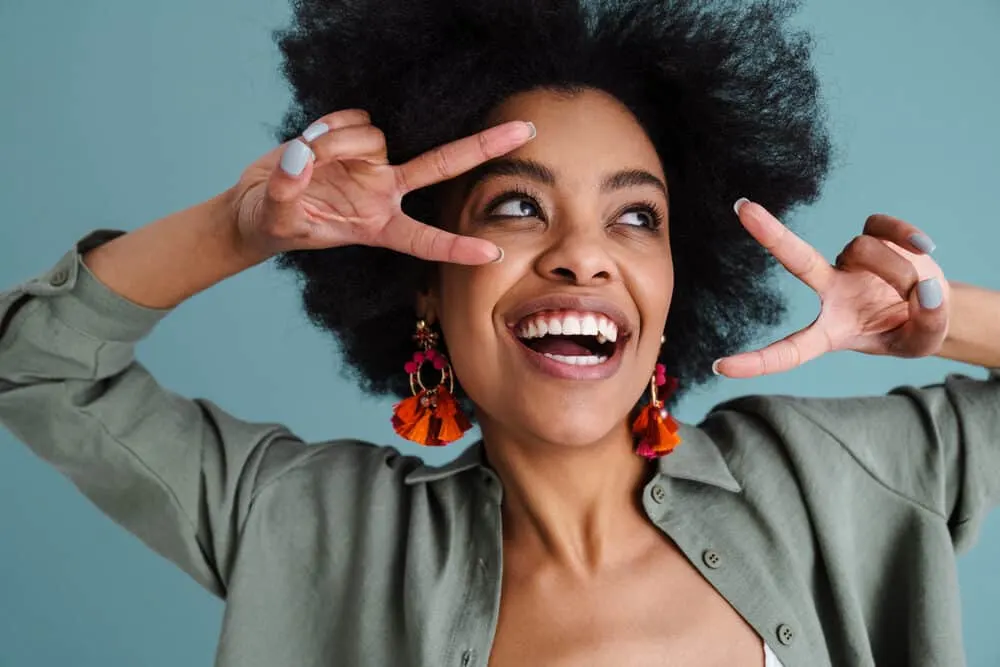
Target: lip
[591,304]
[557,302]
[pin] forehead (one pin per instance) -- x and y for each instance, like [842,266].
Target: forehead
[582,135]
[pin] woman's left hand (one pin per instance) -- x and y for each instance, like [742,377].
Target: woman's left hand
[883,295]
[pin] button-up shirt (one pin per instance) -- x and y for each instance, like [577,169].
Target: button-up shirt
[830,525]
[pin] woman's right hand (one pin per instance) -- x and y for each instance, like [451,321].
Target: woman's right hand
[334,186]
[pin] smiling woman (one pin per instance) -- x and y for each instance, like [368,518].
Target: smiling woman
[523,213]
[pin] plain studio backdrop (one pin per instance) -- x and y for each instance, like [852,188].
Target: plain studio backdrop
[116,112]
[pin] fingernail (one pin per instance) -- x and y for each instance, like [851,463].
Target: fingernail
[923,243]
[739,204]
[715,366]
[533,131]
[499,257]
[315,130]
[929,293]
[295,157]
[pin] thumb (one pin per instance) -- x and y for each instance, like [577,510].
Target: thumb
[291,176]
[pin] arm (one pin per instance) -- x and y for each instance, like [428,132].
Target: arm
[180,474]
[974,326]
[166,262]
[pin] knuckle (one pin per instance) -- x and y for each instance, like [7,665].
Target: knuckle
[484,144]
[441,163]
[872,222]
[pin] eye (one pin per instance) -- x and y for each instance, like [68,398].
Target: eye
[513,205]
[642,216]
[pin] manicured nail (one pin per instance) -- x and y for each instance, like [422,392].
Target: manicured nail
[929,293]
[715,366]
[295,157]
[923,243]
[499,257]
[315,130]
[739,204]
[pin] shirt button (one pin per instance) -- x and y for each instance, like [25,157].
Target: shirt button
[658,493]
[785,634]
[59,278]
[712,559]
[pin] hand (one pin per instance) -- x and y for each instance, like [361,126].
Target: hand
[334,186]
[884,295]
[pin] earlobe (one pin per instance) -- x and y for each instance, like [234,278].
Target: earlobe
[427,307]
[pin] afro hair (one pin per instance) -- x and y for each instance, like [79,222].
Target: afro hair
[725,91]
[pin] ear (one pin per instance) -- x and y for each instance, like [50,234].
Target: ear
[427,306]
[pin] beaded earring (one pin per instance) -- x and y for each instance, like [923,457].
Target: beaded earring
[430,417]
[654,430]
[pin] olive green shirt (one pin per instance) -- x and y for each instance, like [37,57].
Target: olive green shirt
[831,526]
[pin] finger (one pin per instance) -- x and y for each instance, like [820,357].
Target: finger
[778,357]
[927,326]
[900,232]
[336,121]
[801,259]
[291,177]
[357,142]
[406,235]
[867,253]
[458,157]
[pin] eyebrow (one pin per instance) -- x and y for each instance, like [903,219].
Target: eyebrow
[535,171]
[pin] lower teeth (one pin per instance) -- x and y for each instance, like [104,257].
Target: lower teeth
[590,360]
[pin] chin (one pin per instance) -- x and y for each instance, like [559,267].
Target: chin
[576,428]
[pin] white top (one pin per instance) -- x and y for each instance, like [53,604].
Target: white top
[770,659]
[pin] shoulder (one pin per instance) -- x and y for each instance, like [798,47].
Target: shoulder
[352,467]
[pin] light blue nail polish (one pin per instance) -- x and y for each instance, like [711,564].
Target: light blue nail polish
[929,293]
[315,131]
[739,204]
[295,157]
[923,243]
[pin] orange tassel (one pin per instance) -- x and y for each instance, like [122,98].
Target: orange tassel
[655,432]
[431,418]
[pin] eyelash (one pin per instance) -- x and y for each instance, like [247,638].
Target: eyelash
[652,209]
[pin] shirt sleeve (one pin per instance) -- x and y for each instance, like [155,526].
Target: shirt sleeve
[937,445]
[178,473]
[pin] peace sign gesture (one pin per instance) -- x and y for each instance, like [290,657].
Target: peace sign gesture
[334,186]
[884,294]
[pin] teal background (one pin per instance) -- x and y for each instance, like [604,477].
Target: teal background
[116,112]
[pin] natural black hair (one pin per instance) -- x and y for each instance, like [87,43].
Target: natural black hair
[725,90]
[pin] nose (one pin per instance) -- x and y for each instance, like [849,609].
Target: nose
[578,257]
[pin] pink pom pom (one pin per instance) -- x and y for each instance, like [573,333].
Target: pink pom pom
[411,367]
[418,357]
[440,362]
[430,354]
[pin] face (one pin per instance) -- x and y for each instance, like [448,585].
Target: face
[556,343]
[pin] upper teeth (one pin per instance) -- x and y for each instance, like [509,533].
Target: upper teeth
[568,324]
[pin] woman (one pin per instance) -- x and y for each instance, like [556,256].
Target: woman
[778,529]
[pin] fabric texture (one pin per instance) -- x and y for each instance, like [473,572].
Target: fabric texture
[833,524]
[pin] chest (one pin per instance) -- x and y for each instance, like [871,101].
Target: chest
[661,613]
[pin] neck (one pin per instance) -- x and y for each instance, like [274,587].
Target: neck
[575,505]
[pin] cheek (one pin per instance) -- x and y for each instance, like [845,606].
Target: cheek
[652,288]
[467,299]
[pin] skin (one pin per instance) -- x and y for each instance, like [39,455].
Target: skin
[579,555]
[578,550]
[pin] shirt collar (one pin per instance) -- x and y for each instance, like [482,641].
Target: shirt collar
[697,459]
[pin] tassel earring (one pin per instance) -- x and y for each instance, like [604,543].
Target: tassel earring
[431,417]
[655,431]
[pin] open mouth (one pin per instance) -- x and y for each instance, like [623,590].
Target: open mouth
[570,337]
